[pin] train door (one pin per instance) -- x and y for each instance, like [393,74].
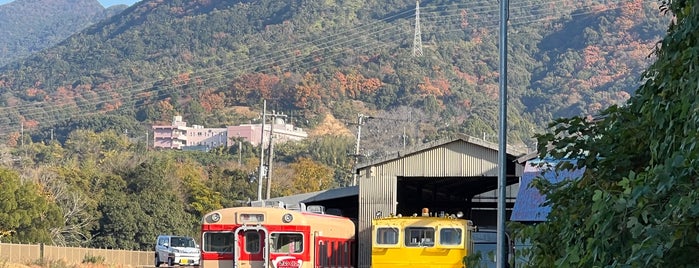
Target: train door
[251,247]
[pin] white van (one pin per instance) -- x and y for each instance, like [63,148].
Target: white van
[180,250]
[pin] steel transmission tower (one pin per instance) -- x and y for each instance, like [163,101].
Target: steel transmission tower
[417,41]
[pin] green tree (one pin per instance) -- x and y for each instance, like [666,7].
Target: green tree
[200,199]
[26,214]
[141,203]
[121,217]
[311,176]
[636,205]
[236,186]
[333,151]
[95,146]
[160,195]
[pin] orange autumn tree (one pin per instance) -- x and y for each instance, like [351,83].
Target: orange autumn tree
[167,111]
[307,91]
[12,139]
[210,100]
[355,84]
[437,88]
[181,79]
[248,88]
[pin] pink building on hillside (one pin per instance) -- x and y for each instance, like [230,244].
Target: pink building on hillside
[173,136]
[179,135]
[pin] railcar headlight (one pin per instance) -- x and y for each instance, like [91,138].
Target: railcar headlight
[459,214]
[287,218]
[215,217]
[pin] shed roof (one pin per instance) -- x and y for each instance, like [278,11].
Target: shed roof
[511,150]
[322,195]
[530,204]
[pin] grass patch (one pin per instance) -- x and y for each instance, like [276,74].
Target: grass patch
[93,259]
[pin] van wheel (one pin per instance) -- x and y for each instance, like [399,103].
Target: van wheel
[170,262]
[157,261]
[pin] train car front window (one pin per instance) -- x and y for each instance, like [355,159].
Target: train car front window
[386,235]
[286,243]
[218,242]
[450,236]
[419,237]
[252,242]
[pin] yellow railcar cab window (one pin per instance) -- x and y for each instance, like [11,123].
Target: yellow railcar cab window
[419,237]
[387,236]
[450,236]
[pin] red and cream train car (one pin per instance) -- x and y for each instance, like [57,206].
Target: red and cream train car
[270,237]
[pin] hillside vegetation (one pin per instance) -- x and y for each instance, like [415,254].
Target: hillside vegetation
[29,26]
[309,58]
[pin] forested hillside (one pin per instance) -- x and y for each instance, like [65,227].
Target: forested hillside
[75,117]
[29,26]
[308,58]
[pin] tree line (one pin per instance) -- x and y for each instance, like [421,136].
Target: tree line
[104,189]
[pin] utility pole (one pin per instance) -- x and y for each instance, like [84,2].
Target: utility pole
[502,247]
[240,151]
[404,138]
[262,152]
[271,151]
[360,122]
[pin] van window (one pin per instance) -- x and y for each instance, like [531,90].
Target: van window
[184,242]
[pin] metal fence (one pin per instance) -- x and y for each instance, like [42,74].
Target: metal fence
[25,253]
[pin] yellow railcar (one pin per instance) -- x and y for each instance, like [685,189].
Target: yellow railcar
[420,241]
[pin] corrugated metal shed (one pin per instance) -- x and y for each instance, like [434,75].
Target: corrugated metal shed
[443,175]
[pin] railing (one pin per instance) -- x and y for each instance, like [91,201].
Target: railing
[25,253]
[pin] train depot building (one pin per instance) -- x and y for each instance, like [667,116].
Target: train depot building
[452,175]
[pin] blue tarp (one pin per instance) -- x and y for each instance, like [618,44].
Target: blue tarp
[529,204]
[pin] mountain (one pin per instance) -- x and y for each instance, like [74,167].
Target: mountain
[28,26]
[310,58]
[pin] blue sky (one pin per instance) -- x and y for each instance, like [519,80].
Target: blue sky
[105,3]
[108,3]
